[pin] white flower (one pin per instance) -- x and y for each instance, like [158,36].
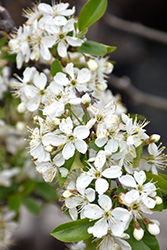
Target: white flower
[76,78]
[62,39]
[101,184]
[109,219]
[79,199]
[70,138]
[103,118]
[156,159]
[145,191]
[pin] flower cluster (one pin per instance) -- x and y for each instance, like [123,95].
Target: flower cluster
[82,136]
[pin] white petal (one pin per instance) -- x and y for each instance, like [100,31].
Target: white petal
[33,103]
[90,193]
[99,229]
[84,75]
[74,41]
[60,20]
[61,79]
[81,132]
[105,202]
[101,185]
[112,172]
[81,146]
[48,41]
[40,80]
[68,151]
[83,180]
[112,146]
[131,196]
[153,149]
[101,141]
[150,203]
[62,49]
[140,177]
[69,69]
[59,160]
[93,211]
[127,180]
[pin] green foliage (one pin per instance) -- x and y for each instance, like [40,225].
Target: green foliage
[46,191]
[160,181]
[91,244]
[14,202]
[56,67]
[73,231]
[148,242]
[139,151]
[32,205]
[95,48]
[92,11]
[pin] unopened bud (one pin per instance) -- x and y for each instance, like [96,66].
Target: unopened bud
[153,228]
[56,121]
[21,108]
[158,200]
[49,148]
[20,126]
[35,118]
[92,64]
[67,194]
[86,99]
[109,67]
[138,233]
[154,138]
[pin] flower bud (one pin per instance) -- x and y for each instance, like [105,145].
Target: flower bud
[92,64]
[109,67]
[86,99]
[20,126]
[138,233]
[56,121]
[67,194]
[49,148]
[154,138]
[35,118]
[158,200]
[153,228]
[21,108]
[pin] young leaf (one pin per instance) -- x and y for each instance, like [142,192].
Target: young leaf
[92,11]
[110,48]
[139,151]
[56,67]
[93,48]
[73,231]
[148,242]
[94,146]
[160,181]
[46,191]
[77,163]
[14,202]
[91,244]
[32,205]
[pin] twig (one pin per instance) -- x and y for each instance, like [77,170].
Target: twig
[124,85]
[6,22]
[135,28]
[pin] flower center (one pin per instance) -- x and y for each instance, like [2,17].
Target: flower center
[73,82]
[61,36]
[99,118]
[71,138]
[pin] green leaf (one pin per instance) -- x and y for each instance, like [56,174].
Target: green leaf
[164,203]
[94,147]
[163,176]
[92,11]
[76,163]
[73,231]
[46,191]
[56,67]
[14,202]
[120,190]
[28,187]
[110,49]
[82,33]
[148,242]
[139,151]
[91,244]
[3,41]
[93,48]
[160,181]
[32,205]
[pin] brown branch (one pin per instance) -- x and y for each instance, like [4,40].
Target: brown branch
[135,28]
[6,22]
[125,85]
